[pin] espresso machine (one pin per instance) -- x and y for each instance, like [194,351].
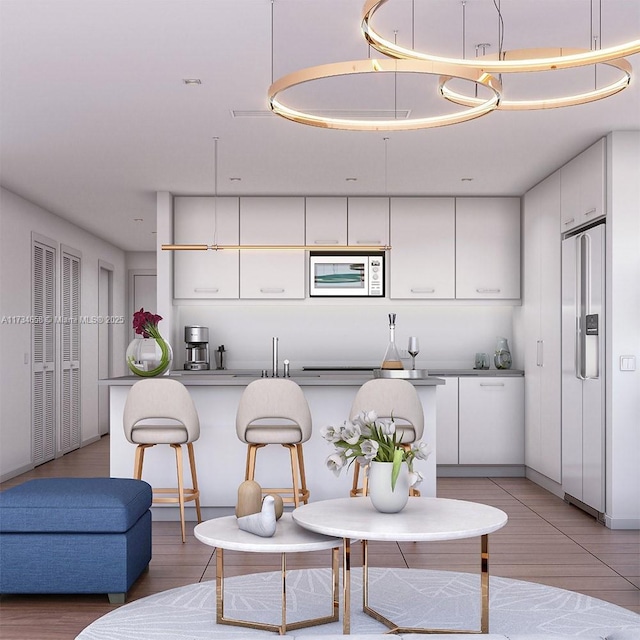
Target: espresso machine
[197,339]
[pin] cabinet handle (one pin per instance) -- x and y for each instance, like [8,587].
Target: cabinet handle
[588,213]
[569,221]
[422,290]
[488,290]
[271,290]
[492,384]
[206,290]
[540,353]
[368,242]
[326,242]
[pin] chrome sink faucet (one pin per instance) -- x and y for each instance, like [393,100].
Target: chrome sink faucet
[274,346]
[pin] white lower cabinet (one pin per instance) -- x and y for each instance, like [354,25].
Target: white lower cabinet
[447,422]
[491,420]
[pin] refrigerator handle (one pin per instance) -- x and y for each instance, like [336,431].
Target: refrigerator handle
[540,353]
[581,282]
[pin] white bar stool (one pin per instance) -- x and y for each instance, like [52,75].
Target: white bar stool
[164,398]
[280,401]
[389,397]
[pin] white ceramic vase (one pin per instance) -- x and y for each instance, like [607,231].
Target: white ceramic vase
[383,498]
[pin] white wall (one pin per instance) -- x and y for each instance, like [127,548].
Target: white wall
[140,260]
[18,218]
[623,330]
[344,333]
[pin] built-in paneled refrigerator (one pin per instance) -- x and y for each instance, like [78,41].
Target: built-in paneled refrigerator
[583,388]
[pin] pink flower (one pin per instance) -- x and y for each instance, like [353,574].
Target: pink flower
[146,323]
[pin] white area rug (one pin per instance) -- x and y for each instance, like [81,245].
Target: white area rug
[410,597]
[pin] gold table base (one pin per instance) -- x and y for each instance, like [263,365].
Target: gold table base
[395,628]
[283,627]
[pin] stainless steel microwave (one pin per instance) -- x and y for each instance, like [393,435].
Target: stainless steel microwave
[335,274]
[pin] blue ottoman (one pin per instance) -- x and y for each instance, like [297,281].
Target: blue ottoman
[74,535]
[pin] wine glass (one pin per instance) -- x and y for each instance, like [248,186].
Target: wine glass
[414,350]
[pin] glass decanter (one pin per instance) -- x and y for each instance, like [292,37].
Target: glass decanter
[391,358]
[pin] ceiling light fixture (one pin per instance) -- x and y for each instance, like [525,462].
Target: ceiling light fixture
[555,59]
[515,61]
[549,103]
[354,67]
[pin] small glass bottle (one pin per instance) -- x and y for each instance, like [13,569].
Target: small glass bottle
[391,358]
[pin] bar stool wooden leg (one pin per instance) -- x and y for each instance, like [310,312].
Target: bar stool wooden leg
[250,471]
[303,478]
[178,450]
[294,473]
[194,478]
[139,459]
[355,490]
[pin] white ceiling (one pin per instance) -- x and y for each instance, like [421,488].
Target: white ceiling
[95,117]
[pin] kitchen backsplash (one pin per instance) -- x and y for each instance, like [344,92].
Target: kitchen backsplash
[344,334]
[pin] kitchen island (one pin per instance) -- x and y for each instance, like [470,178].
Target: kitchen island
[220,455]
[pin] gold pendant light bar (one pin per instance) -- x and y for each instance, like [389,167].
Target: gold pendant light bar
[280,247]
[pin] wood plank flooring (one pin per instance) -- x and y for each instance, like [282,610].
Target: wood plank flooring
[545,541]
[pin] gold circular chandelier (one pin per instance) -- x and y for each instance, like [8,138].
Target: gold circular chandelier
[544,59]
[516,61]
[477,70]
[445,71]
[547,103]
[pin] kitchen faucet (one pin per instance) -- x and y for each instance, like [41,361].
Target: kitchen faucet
[274,370]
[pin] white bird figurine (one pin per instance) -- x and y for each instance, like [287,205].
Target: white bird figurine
[262,523]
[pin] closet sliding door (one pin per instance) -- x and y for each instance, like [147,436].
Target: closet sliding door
[70,422]
[43,367]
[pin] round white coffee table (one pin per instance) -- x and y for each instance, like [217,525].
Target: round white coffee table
[423,519]
[223,533]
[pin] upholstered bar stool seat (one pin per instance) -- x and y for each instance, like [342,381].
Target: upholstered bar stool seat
[389,397]
[275,411]
[170,401]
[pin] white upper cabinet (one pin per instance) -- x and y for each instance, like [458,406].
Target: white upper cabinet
[272,273]
[326,221]
[422,256]
[368,221]
[488,248]
[583,187]
[206,274]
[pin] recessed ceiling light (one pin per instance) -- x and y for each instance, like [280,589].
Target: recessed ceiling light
[351,179]
[192,81]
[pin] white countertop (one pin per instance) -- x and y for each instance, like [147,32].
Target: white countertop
[335,377]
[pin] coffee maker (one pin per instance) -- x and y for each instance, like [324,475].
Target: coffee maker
[197,339]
